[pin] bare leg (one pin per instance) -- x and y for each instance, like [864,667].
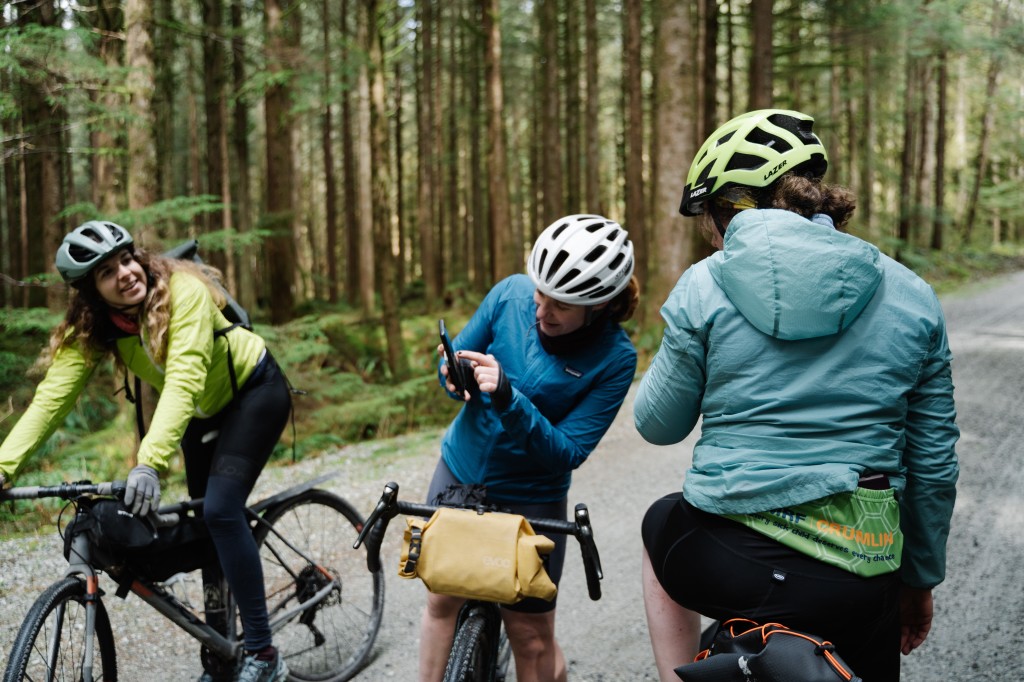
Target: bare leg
[437,630]
[674,630]
[532,638]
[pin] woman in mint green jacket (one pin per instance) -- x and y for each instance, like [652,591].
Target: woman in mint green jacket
[222,397]
[822,485]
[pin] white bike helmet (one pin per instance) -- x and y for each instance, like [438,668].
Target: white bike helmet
[582,260]
[87,245]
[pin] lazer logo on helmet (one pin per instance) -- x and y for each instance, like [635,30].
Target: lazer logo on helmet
[775,170]
[698,192]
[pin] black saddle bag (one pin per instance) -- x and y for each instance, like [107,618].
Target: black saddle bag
[742,650]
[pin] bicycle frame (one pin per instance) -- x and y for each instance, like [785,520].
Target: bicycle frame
[81,561]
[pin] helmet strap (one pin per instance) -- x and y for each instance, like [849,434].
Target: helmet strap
[717,218]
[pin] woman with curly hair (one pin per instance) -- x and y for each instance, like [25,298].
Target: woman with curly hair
[222,397]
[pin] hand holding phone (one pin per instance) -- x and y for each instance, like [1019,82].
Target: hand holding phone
[455,375]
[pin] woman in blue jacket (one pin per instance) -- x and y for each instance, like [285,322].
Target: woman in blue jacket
[551,366]
[822,485]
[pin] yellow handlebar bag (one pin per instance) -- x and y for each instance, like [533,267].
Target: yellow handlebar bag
[464,553]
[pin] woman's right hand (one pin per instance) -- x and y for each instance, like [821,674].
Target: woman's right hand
[916,611]
[449,386]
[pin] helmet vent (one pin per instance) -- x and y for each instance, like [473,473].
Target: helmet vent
[602,292]
[540,262]
[592,282]
[569,276]
[80,253]
[595,253]
[561,228]
[741,161]
[557,263]
[763,137]
[614,265]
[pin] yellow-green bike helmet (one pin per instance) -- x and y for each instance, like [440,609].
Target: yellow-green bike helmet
[753,150]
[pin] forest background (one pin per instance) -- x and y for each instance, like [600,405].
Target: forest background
[359,168]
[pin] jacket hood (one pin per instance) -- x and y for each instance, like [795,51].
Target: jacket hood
[794,278]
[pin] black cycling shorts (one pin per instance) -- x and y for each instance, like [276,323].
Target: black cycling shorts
[553,563]
[722,569]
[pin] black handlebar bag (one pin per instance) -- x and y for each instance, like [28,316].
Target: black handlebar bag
[123,541]
[743,650]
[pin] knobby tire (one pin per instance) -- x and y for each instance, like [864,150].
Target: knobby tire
[332,641]
[473,654]
[28,656]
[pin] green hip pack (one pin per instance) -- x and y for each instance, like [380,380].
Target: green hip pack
[856,531]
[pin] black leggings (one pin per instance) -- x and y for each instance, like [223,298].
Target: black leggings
[722,569]
[224,455]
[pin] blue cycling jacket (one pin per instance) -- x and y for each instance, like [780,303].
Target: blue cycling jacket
[561,404]
[812,358]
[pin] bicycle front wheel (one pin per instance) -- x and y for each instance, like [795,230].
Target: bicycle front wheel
[51,642]
[331,640]
[474,653]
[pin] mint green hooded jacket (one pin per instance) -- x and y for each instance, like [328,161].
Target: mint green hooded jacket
[812,358]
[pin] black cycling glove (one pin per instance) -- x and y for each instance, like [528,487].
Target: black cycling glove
[502,396]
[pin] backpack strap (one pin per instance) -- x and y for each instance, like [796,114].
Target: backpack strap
[231,361]
[135,399]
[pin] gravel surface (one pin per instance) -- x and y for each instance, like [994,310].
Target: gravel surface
[977,608]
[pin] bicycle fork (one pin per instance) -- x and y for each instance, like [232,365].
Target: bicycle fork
[78,560]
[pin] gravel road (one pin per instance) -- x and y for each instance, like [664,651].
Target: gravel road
[973,639]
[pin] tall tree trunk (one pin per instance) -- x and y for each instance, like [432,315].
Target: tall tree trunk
[633,133]
[165,43]
[246,288]
[327,142]
[572,107]
[456,256]
[214,78]
[108,21]
[398,95]
[980,164]
[592,157]
[505,255]
[283,32]
[908,154]
[10,156]
[348,164]
[364,157]
[941,96]
[382,211]
[39,203]
[426,224]
[479,242]
[867,146]
[551,119]
[760,96]
[142,190]
[674,121]
[709,113]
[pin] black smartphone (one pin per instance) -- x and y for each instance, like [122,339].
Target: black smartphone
[454,368]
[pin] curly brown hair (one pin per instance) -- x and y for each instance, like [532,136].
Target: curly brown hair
[86,323]
[809,196]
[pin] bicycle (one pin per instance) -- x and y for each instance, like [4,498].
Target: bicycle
[324,612]
[480,650]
